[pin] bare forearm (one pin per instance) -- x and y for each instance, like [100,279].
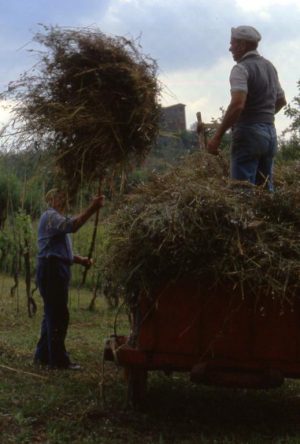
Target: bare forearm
[236,106]
[81,219]
[82,260]
[230,118]
[77,259]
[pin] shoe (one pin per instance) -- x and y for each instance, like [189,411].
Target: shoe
[68,366]
[73,366]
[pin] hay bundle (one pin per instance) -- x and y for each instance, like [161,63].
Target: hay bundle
[193,222]
[91,100]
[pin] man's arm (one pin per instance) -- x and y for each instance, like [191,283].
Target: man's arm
[82,260]
[280,103]
[81,219]
[236,106]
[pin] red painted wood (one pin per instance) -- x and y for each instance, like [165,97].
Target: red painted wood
[214,333]
[216,324]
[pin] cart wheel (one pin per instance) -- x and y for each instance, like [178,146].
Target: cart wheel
[136,385]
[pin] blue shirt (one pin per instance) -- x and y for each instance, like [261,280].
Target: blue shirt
[53,236]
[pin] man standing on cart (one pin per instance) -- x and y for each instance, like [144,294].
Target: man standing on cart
[256,96]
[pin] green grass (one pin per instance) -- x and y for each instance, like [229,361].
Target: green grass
[39,406]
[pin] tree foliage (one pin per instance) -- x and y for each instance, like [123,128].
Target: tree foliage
[290,149]
[293,112]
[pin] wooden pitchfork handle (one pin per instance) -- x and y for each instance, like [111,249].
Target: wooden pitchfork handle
[201,132]
[93,240]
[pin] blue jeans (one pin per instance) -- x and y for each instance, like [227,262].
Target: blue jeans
[252,153]
[53,276]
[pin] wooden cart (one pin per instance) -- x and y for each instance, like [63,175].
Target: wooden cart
[214,333]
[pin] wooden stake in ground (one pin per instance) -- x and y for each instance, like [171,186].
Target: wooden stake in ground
[201,132]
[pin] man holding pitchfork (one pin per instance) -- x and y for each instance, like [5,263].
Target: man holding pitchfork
[55,257]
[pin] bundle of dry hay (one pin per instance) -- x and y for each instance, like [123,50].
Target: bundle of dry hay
[193,222]
[91,100]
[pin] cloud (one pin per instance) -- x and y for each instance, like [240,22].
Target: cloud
[183,33]
[5,108]
[191,33]
[265,6]
[30,12]
[20,20]
[188,38]
[204,90]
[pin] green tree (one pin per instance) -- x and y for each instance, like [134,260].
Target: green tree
[9,193]
[293,111]
[290,149]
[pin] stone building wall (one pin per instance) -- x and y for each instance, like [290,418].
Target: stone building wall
[173,118]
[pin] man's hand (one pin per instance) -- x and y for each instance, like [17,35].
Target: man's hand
[84,261]
[213,146]
[98,201]
[87,262]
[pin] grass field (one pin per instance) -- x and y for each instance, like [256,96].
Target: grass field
[40,406]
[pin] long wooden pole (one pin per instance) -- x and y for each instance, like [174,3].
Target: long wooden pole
[201,132]
[93,240]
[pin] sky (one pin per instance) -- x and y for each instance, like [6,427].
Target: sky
[189,39]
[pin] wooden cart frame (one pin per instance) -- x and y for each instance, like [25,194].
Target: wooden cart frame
[213,332]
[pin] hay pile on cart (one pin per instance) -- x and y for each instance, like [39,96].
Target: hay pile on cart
[90,100]
[195,223]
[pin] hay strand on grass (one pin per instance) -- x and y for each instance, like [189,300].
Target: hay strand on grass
[17,370]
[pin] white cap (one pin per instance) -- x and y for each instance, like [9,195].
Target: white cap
[246,33]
